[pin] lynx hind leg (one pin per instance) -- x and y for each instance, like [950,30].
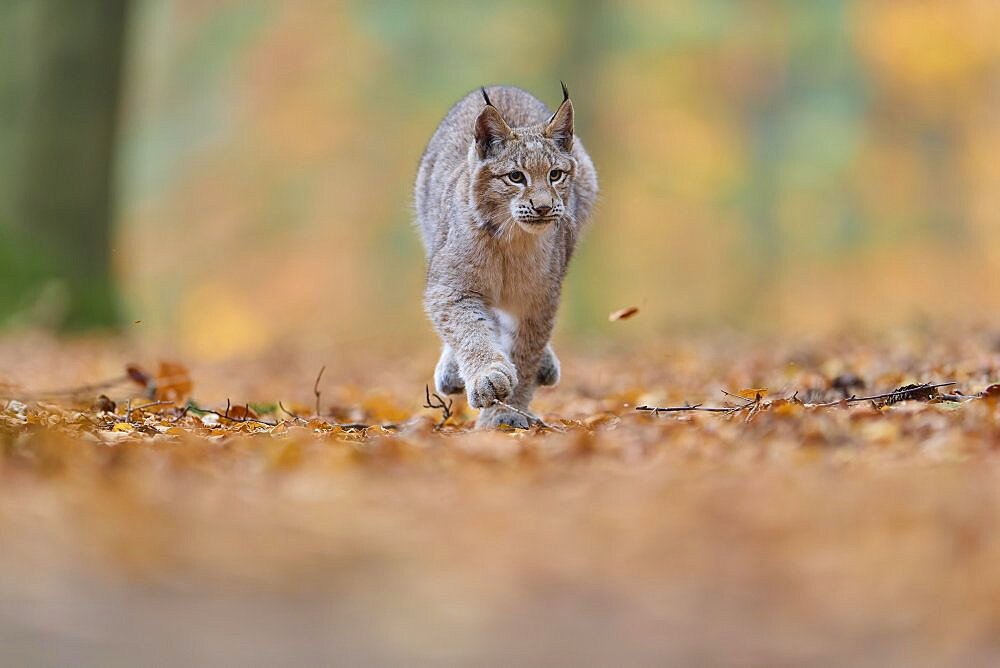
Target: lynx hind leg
[446,377]
[548,370]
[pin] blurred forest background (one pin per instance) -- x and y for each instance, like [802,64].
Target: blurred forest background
[235,174]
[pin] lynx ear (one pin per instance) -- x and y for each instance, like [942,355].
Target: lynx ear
[491,128]
[560,126]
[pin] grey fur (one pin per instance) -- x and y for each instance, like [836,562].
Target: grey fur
[497,249]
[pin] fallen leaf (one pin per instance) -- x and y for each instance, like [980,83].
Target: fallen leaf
[104,404]
[753,393]
[173,382]
[623,314]
[991,392]
[139,376]
[242,413]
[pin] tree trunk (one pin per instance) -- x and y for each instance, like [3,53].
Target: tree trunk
[58,208]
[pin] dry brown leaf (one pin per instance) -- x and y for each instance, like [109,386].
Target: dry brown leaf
[104,404]
[390,476]
[173,382]
[139,376]
[992,392]
[623,314]
[242,412]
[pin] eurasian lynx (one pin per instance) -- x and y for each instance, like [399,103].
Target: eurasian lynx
[502,192]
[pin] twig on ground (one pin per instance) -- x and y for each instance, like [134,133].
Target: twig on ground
[182,414]
[959,397]
[897,395]
[316,391]
[151,404]
[752,404]
[745,401]
[919,391]
[129,408]
[291,414]
[682,409]
[72,391]
[225,416]
[347,426]
[445,408]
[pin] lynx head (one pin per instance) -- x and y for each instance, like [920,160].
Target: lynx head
[522,176]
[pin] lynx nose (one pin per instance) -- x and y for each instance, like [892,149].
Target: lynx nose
[541,209]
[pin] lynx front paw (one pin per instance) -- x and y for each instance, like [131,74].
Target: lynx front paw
[492,384]
[498,416]
[447,379]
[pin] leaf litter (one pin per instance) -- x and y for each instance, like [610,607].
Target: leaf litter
[863,476]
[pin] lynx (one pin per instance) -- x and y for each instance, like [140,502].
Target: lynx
[502,192]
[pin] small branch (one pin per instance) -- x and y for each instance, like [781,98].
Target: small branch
[129,408]
[349,426]
[736,396]
[445,408]
[291,414]
[225,416]
[681,409]
[73,391]
[182,414]
[316,391]
[151,404]
[959,397]
[899,394]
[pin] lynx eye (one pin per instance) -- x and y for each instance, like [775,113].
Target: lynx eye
[555,175]
[516,177]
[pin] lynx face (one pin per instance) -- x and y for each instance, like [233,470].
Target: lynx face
[522,176]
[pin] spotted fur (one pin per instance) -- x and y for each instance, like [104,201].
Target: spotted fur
[498,246]
[502,192]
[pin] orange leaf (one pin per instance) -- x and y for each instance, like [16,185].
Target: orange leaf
[753,393]
[173,382]
[241,413]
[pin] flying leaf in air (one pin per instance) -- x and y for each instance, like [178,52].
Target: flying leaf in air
[623,314]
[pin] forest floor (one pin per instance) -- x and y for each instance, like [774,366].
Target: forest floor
[795,528]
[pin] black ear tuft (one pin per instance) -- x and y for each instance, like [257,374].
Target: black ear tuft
[491,130]
[487,97]
[560,126]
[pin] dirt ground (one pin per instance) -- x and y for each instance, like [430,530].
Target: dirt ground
[795,529]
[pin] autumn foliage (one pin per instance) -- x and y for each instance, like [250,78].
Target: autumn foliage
[800,521]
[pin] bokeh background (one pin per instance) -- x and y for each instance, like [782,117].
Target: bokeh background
[235,175]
